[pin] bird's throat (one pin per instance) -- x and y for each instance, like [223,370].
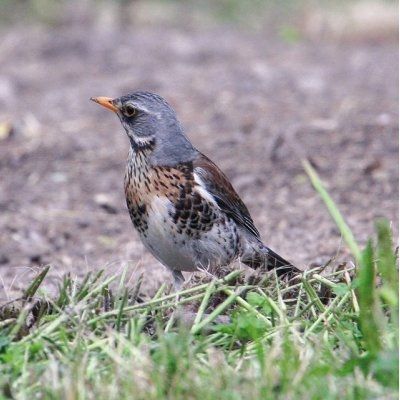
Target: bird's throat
[145,144]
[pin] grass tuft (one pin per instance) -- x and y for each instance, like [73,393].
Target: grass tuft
[320,335]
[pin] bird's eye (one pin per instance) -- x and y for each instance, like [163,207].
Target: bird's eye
[129,111]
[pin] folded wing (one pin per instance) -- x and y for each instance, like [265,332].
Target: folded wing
[217,184]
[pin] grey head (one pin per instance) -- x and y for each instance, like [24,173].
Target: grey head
[151,123]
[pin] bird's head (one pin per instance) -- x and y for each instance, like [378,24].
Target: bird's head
[150,122]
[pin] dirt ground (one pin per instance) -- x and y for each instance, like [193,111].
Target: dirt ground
[255,104]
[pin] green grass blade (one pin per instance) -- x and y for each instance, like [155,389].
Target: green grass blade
[367,299]
[212,316]
[121,310]
[34,286]
[204,303]
[386,264]
[333,210]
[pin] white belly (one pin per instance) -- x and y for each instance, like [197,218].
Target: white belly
[179,251]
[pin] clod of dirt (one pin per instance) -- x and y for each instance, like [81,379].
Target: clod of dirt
[6,130]
[104,201]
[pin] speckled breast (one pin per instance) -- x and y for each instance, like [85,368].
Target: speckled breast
[177,224]
[190,212]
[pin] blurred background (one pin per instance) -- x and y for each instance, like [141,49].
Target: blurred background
[256,84]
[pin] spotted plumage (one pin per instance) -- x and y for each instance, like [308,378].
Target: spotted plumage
[184,208]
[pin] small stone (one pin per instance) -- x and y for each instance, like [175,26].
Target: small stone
[6,130]
[4,259]
[35,258]
[104,201]
[83,223]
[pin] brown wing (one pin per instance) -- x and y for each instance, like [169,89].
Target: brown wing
[220,188]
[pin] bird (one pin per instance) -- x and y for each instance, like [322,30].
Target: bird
[186,211]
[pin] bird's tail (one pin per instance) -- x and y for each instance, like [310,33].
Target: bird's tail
[261,256]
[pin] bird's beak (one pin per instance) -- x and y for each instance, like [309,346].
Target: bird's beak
[106,102]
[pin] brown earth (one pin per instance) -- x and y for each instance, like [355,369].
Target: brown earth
[255,104]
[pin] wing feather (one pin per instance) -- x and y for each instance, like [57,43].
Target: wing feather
[218,185]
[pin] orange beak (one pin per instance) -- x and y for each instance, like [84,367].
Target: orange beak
[106,102]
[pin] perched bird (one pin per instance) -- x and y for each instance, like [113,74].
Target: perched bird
[185,209]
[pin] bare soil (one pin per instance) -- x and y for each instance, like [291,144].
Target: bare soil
[253,103]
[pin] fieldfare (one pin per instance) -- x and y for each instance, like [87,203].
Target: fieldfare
[184,208]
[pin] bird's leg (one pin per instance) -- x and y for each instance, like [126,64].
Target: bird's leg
[178,280]
[178,283]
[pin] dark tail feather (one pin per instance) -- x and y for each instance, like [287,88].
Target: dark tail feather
[264,257]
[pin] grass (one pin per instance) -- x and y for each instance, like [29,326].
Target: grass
[324,334]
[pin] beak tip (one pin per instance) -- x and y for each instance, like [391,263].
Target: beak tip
[106,102]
